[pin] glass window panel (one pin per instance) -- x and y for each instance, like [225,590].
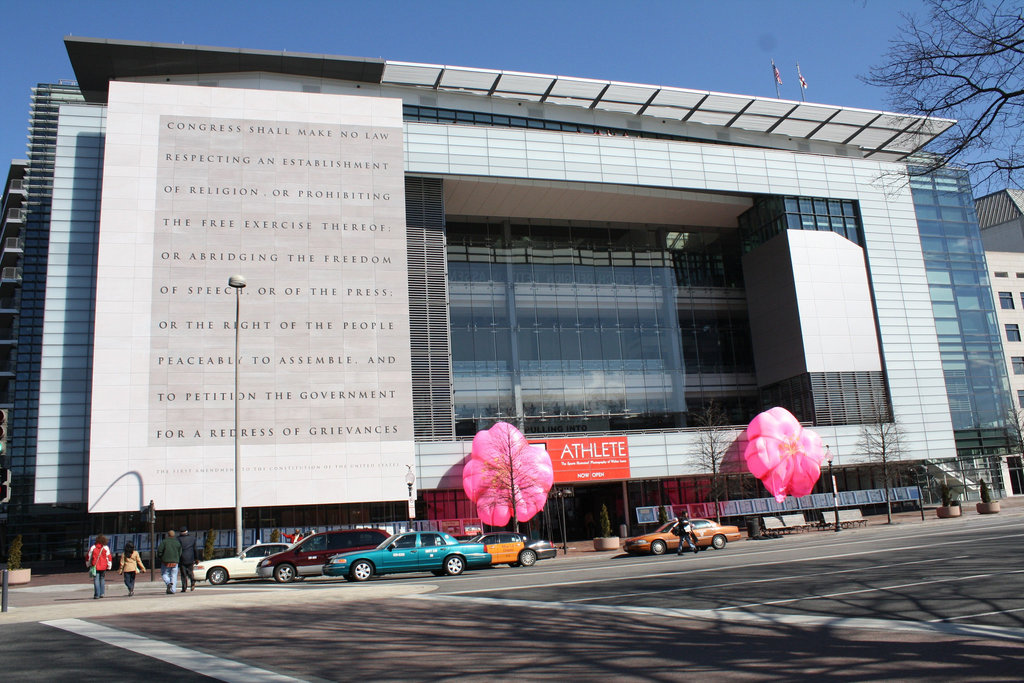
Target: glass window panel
[1006,300]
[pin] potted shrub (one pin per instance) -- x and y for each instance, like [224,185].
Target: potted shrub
[15,572]
[606,541]
[949,507]
[987,506]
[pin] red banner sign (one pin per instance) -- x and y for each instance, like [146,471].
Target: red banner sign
[583,459]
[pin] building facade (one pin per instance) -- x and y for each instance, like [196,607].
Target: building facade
[1001,218]
[432,249]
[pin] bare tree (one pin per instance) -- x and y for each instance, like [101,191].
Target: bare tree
[964,61]
[1015,428]
[713,442]
[514,476]
[881,441]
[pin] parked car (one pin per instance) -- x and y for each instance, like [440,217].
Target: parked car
[515,549]
[237,566]
[709,534]
[412,551]
[307,557]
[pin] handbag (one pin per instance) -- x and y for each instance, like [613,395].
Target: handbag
[92,571]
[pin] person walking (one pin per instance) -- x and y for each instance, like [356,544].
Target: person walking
[99,561]
[131,563]
[169,552]
[684,530]
[293,538]
[188,559]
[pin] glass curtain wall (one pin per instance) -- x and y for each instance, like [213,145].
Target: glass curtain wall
[576,328]
[965,316]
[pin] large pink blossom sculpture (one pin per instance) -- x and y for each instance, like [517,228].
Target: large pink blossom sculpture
[506,475]
[782,454]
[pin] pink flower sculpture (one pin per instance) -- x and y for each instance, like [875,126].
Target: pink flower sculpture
[782,454]
[506,475]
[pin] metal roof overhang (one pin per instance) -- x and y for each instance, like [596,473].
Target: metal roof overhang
[883,136]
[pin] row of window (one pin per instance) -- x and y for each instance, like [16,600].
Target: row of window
[1006,300]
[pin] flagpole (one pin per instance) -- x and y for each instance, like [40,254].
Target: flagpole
[777,79]
[803,83]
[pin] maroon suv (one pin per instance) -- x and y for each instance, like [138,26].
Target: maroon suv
[308,556]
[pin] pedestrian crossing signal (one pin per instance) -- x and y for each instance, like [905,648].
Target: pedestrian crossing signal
[5,484]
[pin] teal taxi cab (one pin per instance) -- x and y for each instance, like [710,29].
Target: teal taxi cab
[412,551]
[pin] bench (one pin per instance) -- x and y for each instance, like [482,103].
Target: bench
[847,518]
[785,523]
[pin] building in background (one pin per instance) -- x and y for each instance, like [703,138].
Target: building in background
[431,249]
[1001,218]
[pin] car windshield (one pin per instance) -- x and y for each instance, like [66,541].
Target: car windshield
[667,526]
[389,540]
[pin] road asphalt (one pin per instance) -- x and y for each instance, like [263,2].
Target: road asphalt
[69,595]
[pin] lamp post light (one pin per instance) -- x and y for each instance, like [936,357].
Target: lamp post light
[410,482]
[238,283]
[835,496]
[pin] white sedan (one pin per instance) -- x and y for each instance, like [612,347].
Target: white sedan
[238,566]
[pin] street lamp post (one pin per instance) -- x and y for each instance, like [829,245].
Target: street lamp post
[238,283]
[410,482]
[835,496]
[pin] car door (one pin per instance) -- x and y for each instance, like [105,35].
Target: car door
[401,555]
[311,555]
[703,530]
[433,549]
[503,547]
[245,567]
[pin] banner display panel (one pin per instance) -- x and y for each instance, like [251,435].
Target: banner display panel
[583,459]
[302,194]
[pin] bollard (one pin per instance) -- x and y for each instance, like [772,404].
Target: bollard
[3,607]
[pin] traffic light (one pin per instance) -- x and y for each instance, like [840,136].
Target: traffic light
[3,431]
[5,484]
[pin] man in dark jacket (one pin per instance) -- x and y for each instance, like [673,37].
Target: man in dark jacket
[169,552]
[189,556]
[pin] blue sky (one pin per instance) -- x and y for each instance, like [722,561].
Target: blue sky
[721,45]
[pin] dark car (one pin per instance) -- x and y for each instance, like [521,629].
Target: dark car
[515,549]
[308,556]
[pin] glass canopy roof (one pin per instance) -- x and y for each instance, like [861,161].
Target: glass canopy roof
[883,136]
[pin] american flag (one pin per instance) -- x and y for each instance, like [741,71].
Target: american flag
[778,76]
[803,83]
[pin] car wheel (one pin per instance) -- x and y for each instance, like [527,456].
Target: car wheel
[527,558]
[217,576]
[658,548]
[284,573]
[454,565]
[718,542]
[362,570]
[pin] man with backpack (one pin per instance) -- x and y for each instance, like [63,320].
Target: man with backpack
[189,557]
[684,530]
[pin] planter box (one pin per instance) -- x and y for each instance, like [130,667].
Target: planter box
[988,508]
[945,512]
[16,576]
[610,543]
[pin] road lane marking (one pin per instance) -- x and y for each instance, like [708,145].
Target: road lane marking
[755,618]
[772,579]
[674,568]
[979,614]
[200,663]
[825,596]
